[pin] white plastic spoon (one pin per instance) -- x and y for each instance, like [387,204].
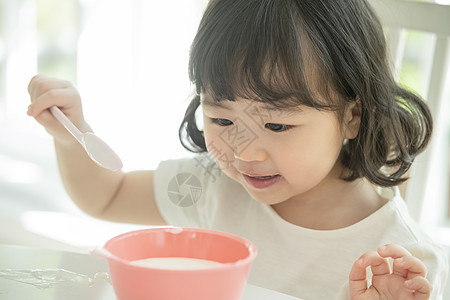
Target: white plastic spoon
[97,149]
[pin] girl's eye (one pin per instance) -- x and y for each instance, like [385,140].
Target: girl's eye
[277,127]
[222,122]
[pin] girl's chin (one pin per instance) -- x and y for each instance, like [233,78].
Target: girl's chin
[264,198]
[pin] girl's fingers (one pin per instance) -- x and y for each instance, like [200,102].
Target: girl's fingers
[40,84]
[357,278]
[378,264]
[45,92]
[409,267]
[420,287]
[393,250]
[51,97]
[405,265]
[358,275]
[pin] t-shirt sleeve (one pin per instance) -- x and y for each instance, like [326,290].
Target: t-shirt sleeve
[180,191]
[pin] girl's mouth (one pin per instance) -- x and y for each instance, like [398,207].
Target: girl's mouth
[262,182]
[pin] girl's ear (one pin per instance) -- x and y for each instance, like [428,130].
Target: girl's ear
[352,119]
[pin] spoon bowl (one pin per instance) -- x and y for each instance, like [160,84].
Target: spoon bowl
[95,147]
[100,152]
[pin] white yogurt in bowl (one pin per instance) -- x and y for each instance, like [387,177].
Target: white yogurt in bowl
[176,263]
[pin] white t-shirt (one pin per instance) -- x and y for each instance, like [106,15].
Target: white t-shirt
[305,263]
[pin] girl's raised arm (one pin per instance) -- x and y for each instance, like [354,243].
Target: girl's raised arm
[114,196]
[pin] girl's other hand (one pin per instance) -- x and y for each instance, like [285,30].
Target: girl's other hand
[46,92]
[406,281]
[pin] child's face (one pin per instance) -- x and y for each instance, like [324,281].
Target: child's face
[275,155]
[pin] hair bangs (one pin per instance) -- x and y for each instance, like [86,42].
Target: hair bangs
[254,51]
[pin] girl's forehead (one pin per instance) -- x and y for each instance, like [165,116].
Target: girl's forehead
[208,101]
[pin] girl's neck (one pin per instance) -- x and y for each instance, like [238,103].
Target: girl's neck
[335,204]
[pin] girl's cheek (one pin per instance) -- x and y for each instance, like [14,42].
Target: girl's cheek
[220,153]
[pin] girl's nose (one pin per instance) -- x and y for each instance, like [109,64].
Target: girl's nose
[245,142]
[252,152]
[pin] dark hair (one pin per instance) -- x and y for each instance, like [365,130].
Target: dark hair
[299,52]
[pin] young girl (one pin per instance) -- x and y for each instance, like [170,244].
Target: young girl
[301,120]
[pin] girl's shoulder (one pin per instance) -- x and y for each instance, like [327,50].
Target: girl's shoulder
[404,224]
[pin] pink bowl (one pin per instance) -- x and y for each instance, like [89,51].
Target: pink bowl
[223,282]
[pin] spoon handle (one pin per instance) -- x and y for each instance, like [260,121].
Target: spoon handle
[61,117]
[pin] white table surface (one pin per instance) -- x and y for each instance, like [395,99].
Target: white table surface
[14,258]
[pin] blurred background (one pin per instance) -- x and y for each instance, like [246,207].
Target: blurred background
[129,58]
